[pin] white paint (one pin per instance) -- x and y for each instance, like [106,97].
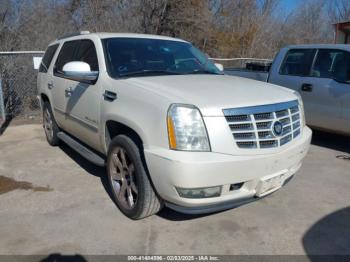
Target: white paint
[219,66]
[77,66]
[37,62]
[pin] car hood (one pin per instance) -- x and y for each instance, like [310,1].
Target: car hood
[212,93]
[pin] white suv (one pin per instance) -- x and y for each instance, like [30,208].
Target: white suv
[170,127]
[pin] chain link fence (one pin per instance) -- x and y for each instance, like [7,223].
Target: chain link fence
[18,87]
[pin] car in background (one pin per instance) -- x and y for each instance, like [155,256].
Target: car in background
[321,74]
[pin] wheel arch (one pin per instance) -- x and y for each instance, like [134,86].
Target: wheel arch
[114,128]
[44,98]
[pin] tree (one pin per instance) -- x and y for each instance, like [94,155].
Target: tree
[339,11]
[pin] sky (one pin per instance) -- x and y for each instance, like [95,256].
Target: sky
[290,4]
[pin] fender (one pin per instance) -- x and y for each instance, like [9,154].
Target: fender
[126,122]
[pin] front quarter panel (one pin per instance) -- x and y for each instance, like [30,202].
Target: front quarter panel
[143,111]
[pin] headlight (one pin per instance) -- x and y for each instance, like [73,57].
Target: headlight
[301,108]
[186,129]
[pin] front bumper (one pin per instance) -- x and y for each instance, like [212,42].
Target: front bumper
[177,169]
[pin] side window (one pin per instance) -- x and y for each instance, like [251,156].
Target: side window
[87,53]
[341,67]
[46,61]
[66,55]
[332,63]
[298,62]
[323,64]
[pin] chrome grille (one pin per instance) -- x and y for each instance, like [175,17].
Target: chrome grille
[244,136]
[238,127]
[263,116]
[249,144]
[268,143]
[238,118]
[264,125]
[253,127]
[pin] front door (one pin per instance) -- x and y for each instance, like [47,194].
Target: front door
[294,73]
[82,105]
[58,84]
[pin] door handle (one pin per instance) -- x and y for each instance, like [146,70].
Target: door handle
[109,96]
[306,87]
[50,85]
[68,91]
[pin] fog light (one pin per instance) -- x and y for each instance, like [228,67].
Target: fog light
[204,192]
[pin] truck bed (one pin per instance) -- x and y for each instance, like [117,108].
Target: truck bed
[256,75]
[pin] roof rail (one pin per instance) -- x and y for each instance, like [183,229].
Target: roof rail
[74,34]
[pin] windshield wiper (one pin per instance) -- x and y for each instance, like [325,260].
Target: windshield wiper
[149,72]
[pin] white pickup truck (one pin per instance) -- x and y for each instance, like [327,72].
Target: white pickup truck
[321,74]
[170,128]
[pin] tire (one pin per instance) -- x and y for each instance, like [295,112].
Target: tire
[50,126]
[129,183]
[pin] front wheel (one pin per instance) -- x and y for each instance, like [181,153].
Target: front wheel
[50,125]
[131,188]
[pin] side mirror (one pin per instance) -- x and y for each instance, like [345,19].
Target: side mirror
[79,71]
[219,66]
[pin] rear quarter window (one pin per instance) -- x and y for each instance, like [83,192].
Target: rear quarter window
[333,64]
[46,61]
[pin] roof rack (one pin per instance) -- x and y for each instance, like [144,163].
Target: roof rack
[74,34]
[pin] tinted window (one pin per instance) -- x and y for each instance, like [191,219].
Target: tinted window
[87,53]
[46,61]
[298,62]
[130,56]
[331,63]
[66,55]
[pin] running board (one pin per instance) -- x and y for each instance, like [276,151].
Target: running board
[81,149]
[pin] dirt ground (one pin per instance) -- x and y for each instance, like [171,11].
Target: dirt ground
[54,201]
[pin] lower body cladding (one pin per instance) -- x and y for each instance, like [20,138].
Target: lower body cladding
[203,182]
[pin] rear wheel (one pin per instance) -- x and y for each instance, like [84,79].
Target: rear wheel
[50,125]
[130,185]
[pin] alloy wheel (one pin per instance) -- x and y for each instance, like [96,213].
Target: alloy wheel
[122,176]
[48,125]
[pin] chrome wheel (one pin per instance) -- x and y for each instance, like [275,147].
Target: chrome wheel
[122,178]
[48,124]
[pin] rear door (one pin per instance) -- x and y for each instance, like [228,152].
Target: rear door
[340,86]
[321,93]
[44,74]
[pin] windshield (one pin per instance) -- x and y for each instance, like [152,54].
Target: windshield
[140,57]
